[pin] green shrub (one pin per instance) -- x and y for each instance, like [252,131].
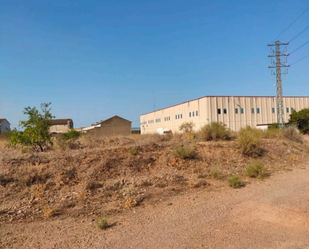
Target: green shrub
[301,120]
[291,133]
[235,182]
[256,169]
[187,127]
[70,135]
[133,151]
[248,141]
[273,126]
[185,151]
[102,222]
[214,131]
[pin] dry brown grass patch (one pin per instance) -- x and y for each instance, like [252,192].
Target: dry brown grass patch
[49,212]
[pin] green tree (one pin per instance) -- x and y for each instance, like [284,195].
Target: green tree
[36,128]
[301,120]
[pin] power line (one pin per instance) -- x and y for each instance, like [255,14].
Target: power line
[305,29]
[300,60]
[299,47]
[291,24]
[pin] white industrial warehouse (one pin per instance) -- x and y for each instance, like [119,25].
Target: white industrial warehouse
[233,111]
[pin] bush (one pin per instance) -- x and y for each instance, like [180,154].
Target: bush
[256,169]
[291,133]
[70,135]
[301,120]
[273,126]
[187,127]
[185,151]
[248,141]
[214,131]
[102,222]
[235,182]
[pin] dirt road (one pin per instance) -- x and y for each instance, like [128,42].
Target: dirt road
[273,213]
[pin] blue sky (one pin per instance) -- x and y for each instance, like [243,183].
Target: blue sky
[95,59]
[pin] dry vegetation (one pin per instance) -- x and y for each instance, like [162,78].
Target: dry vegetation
[90,176]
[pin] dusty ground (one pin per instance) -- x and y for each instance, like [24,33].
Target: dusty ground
[266,214]
[181,206]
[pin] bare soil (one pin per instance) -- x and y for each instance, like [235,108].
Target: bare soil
[154,199]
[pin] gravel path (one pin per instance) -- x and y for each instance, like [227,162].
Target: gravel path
[273,213]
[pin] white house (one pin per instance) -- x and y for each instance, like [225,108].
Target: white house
[4,125]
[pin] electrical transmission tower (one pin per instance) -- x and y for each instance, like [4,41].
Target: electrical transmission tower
[278,63]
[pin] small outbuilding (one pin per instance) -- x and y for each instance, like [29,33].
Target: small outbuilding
[4,125]
[113,126]
[61,125]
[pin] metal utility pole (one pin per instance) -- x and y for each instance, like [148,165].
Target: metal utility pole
[278,64]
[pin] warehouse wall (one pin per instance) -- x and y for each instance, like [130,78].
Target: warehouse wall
[234,111]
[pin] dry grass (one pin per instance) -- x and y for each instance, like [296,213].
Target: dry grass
[235,182]
[184,151]
[102,222]
[49,212]
[249,140]
[214,131]
[256,169]
[215,173]
[292,134]
[104,172]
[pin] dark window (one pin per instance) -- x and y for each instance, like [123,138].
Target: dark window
[224,111]
[273,110]
[175,116]
[196,113]
[180,115]
[236,110]
[242,110]
[257,110]
[190,114]
[252,110]
[287,110]
[292,109]
[219,111]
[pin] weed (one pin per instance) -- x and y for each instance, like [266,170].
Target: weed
[215,173]
[235,182]
[291,133]
[214,131]
[256,169]
[133,151]
[248,141]
[185,151]
[102,222]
